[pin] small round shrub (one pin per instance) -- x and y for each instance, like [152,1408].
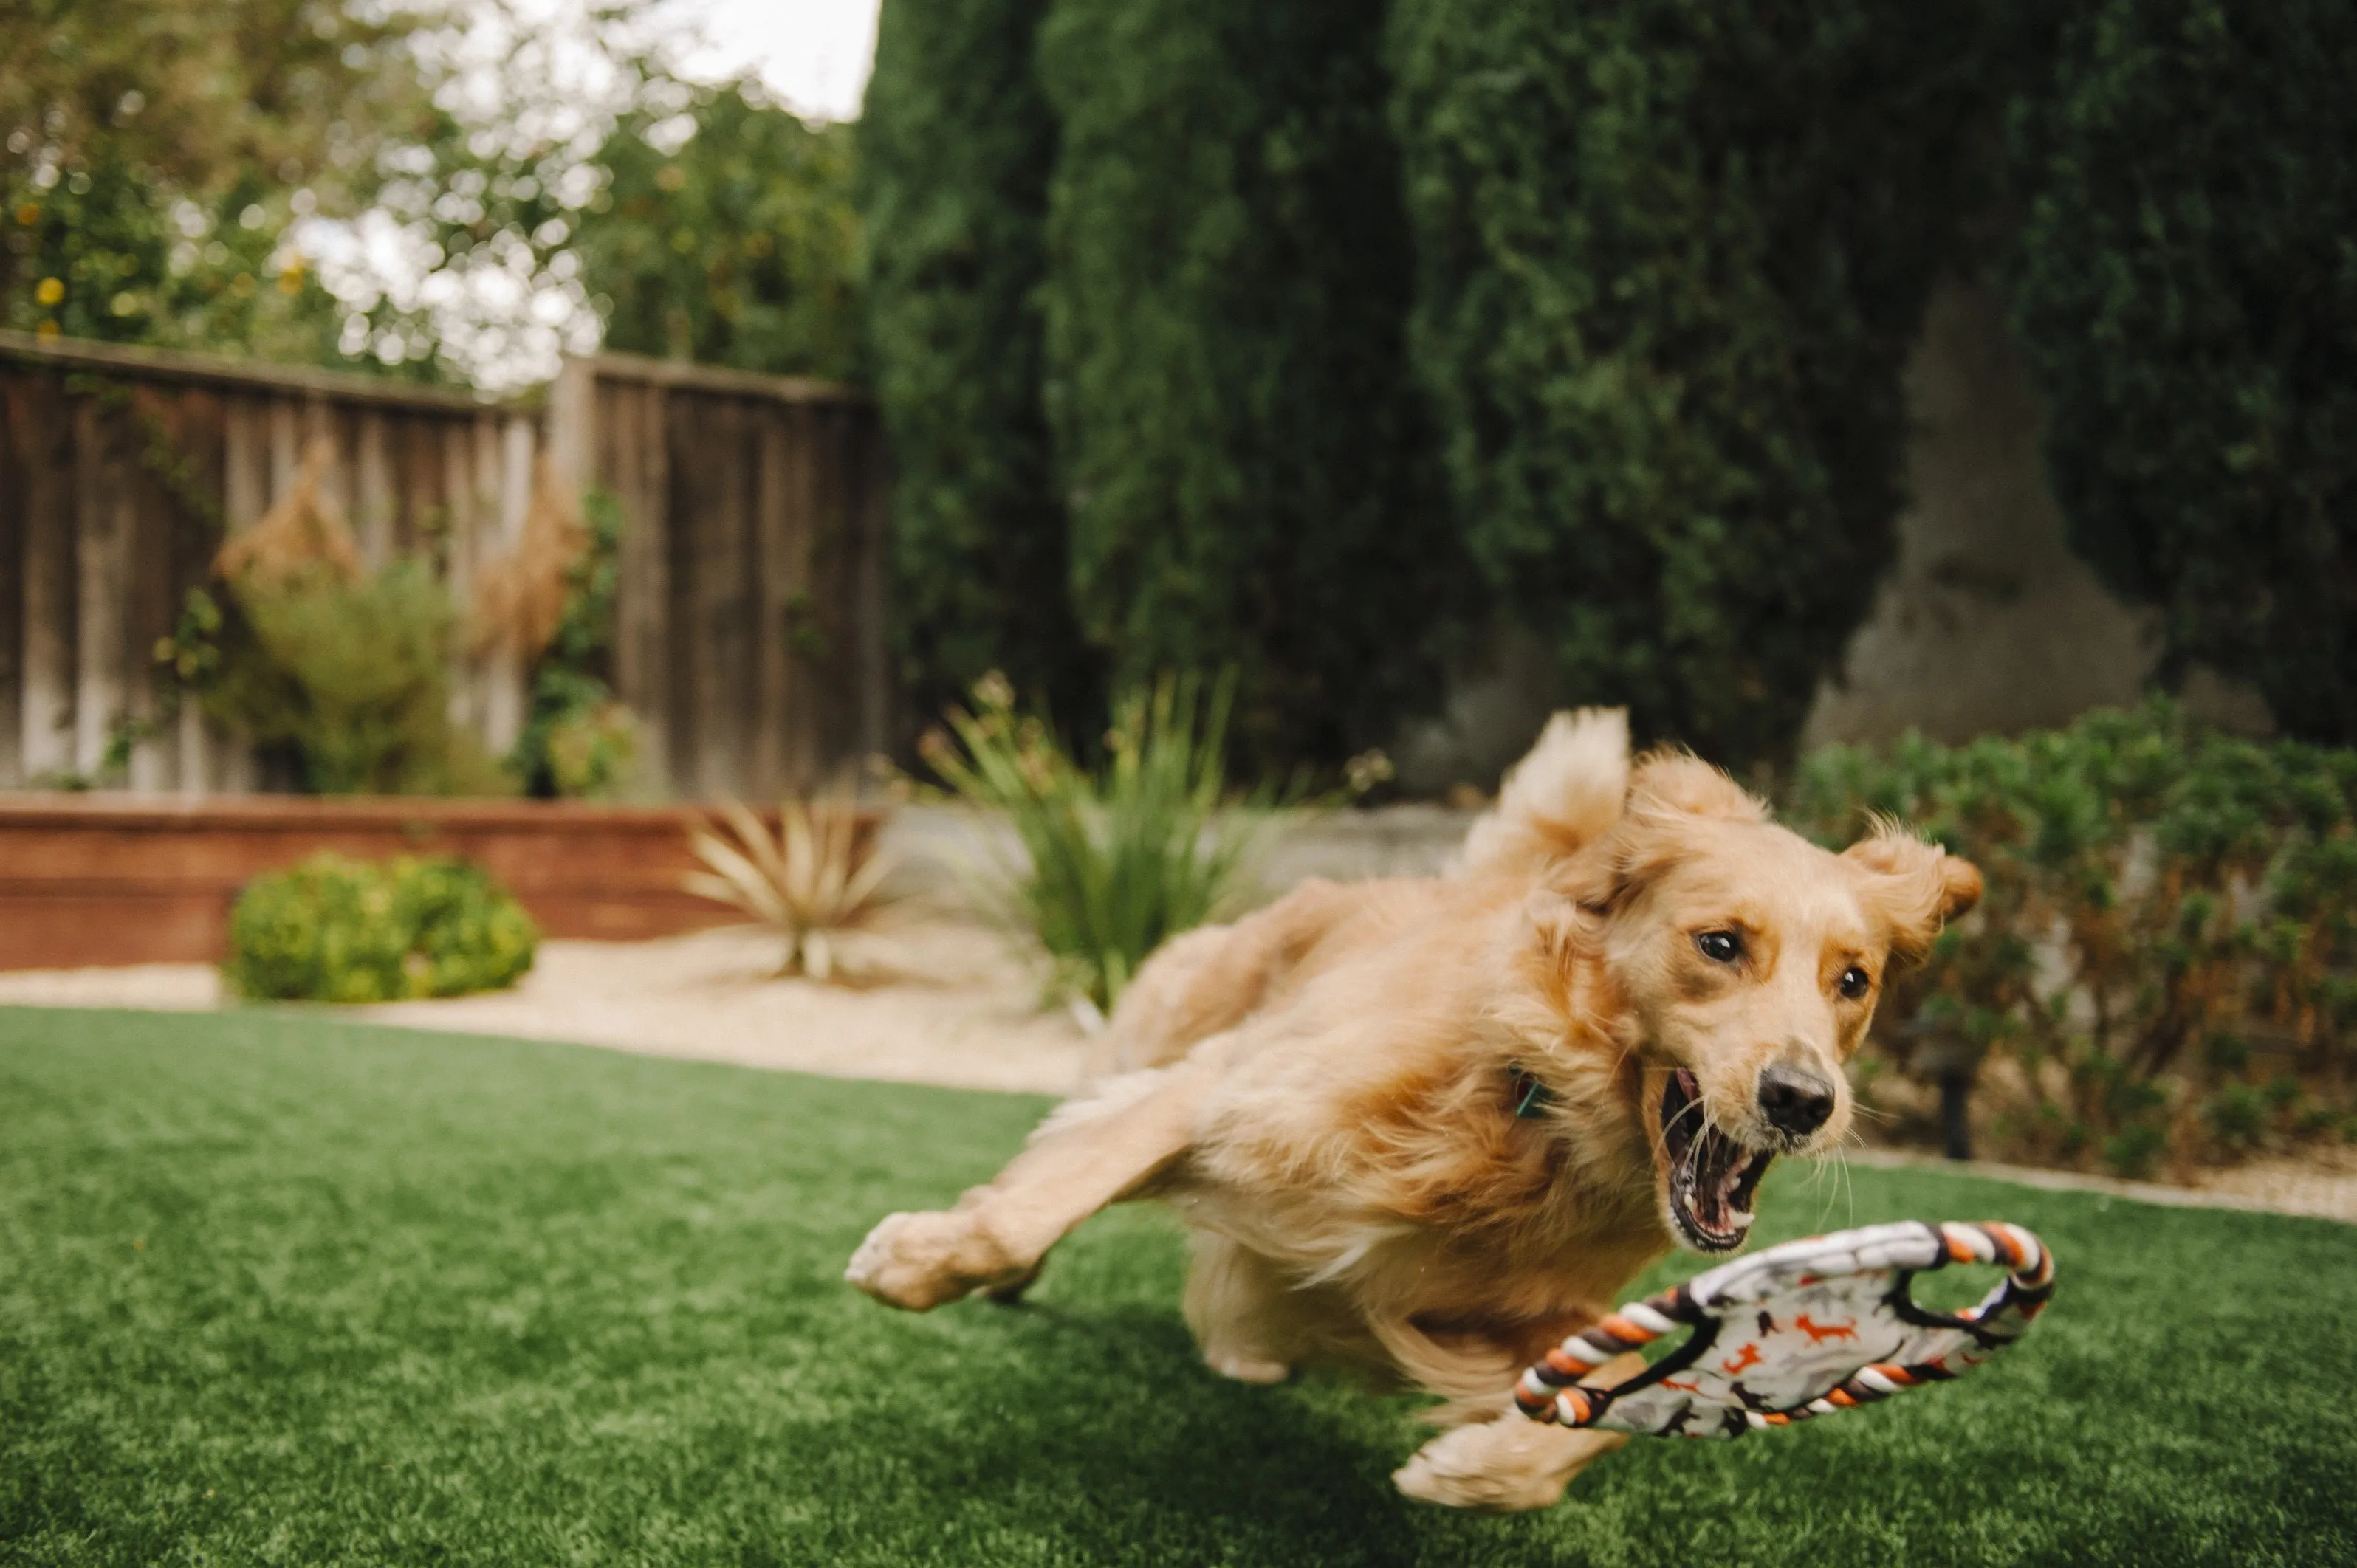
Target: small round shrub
[333,930]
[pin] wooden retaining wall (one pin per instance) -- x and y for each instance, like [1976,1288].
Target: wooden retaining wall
[753,604]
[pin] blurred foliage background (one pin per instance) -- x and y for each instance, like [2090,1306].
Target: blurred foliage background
[443,189]
[739,248]
[956,143]
[1314,342]
[1658,265]
[1674,258]
[155,154]
[2185,280]
[1248,465]
[2164,968]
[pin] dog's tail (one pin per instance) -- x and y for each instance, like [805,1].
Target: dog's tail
[1562,797]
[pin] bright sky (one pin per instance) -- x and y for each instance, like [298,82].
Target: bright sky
[500,322]
[813,53]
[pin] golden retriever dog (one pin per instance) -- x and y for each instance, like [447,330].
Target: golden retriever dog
[1424,1130]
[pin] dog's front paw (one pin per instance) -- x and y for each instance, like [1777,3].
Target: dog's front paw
[921,1261]
[1500,1466]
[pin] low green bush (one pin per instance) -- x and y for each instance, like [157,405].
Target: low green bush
[2164,969]
[333,930]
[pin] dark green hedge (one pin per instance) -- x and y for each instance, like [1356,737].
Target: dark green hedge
[2186,284]
[1656,264]
[1672,255]
[1252,479]
[955,146]
[2164,967]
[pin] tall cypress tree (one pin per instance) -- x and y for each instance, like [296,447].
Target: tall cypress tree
[2186,284]
[956,145]
[1673,255]
[1251,479]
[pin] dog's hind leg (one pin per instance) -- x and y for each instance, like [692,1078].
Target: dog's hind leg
[1238,1305]
[1095,1150]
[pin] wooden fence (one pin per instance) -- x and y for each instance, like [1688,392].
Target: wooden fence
[750,633]
[752,598]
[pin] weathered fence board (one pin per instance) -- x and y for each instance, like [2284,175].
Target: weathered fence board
[749,630]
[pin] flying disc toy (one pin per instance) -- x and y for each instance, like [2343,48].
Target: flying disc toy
[1798,1331]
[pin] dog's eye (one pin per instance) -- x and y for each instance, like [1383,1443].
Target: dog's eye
[1856,982]
[1720,947]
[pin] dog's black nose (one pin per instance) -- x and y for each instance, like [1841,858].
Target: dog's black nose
[1794,1100]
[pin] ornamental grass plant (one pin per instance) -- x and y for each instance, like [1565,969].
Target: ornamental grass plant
[818,882]
[2164,970]
[1116,859]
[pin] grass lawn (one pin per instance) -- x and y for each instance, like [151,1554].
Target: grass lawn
[275,1289]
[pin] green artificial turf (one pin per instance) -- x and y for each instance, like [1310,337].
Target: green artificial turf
[276,1289]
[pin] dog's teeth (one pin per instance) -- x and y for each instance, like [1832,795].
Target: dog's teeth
[1741,1217]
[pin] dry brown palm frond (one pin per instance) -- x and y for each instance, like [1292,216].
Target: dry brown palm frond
[818,880]
[302,531]
[519,599]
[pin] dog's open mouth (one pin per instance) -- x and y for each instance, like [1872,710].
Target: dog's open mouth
[1712,1177]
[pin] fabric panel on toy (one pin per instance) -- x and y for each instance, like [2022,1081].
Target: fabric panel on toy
[1797,1331]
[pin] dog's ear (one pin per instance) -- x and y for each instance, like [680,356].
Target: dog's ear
[1668,791]
[1681,781]
[1915,887]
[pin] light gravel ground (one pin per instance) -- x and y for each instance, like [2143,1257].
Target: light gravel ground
[944,1001]
[947,1003]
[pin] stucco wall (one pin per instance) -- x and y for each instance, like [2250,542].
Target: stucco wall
[1986,621]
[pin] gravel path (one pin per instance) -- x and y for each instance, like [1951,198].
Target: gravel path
[955,1006]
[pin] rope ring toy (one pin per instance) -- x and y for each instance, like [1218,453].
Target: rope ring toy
[1797,1331]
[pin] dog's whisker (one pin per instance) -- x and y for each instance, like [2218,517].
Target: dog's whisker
[1693,1107]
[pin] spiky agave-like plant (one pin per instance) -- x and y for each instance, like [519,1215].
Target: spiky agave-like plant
[818,880]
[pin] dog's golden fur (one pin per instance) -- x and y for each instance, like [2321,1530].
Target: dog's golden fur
[1326,1090]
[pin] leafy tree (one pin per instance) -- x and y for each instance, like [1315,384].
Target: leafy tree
[1673,256]
[155,152]
[201,94]
[1251,477]
[740,246]
[2187,287]
[956,143]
